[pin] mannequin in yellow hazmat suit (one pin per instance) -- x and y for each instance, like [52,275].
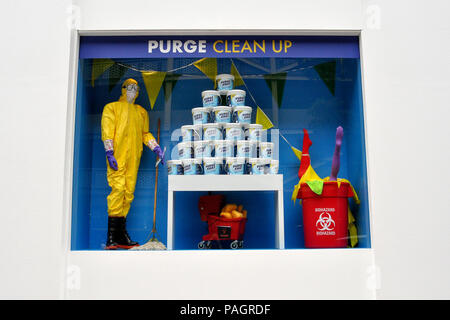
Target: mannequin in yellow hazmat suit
[125,128]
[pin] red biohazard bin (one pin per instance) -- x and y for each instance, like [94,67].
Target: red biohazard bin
[325,216]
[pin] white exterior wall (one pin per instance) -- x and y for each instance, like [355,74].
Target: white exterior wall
[406,89]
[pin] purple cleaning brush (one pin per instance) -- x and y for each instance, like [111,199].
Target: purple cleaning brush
[336,156]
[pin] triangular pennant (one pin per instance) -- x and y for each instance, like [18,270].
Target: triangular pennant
[298,153]
[280,80]
[316,186]
[208,66]
[116,72]
[99,66]
[153,81]
[172,80]
[327,72]
[352,230]
[262,119]
[238,81]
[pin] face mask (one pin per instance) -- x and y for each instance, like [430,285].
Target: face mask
[131,95]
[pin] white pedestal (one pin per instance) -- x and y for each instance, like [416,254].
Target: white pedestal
[227,183]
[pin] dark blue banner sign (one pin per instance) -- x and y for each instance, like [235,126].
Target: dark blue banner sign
[219,47]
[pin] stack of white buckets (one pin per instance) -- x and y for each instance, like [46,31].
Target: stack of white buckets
[222,139]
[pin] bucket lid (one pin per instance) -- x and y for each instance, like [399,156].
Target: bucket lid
[232,125]
[218,108]
[211,125]
[254,126]
[264,144]
[174,162]
[213,159]
[185,143]
[200,109]
[235,159]
[236,91]
[224,76]
[246,108]
[212,92]
[222,142]
[191,160]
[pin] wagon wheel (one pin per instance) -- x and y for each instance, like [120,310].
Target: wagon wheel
[201,245]
[234,244]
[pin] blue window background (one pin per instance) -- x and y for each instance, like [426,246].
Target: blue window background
[306,103]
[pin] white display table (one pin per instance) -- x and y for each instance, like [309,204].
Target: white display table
[227,183]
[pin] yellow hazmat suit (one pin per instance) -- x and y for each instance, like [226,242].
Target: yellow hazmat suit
[126,126]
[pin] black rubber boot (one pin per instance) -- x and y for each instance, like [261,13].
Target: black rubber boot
[117,237]
[113,236]
[126,241]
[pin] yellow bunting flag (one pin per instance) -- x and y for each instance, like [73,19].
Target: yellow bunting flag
[208,66]
[262,119]
[99,66]
[237,76]
[153,81]
[297,152]
[353,232]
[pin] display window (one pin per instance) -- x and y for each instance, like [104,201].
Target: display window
[219,143]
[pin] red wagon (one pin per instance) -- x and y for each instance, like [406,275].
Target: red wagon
[220,230]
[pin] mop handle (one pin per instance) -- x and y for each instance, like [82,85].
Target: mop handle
[156,185]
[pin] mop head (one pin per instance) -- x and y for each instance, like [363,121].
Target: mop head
[153,244]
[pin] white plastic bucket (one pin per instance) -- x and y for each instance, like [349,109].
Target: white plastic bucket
[203,148]
[223,148]
[212,131]
[197,132]
[185,150]
[187,133]
[201,115]
[243,148]
[222,114]
[246,148]
[274,165]
[192,166]
[236,97]
[259,166]
[235,165]
[266,150]
[212,165]
[224,82]
[242,114]
[210,98]
[174,167]
[253,132]
[233,131]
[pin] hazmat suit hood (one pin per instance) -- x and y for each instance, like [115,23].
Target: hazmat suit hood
[123,96]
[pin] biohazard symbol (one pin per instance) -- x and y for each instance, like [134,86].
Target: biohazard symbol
[325,222]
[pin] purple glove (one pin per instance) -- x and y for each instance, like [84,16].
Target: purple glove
[159,153]
[111,160]
[336,156]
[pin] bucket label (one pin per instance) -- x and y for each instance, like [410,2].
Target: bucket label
[212,134]
[325,224]
[211,101]
[224,232]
